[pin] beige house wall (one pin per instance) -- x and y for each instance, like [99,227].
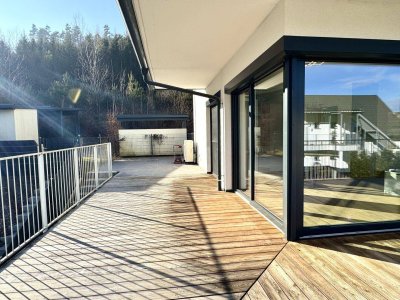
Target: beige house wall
[26,125]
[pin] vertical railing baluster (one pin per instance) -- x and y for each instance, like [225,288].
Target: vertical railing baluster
[2,212]
[9,207]
[58,194]
[64,181]
[96,167]
[60,182]
[31,194]
[76,172]
[36,192]
[52,198]
[27,199]
[15,199]
[71,178]
[42,188]
[50,202]
[21,199]
[109,159]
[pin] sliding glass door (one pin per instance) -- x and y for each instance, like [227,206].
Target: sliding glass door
[260,142]
[268,169]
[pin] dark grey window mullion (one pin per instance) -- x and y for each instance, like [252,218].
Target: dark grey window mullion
[252,140]
[294,82]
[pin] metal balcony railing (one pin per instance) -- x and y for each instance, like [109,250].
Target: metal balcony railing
[38,189]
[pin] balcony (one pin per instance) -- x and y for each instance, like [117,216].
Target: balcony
[158,230]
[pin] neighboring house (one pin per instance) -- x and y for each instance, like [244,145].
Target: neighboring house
[56,127]
[268,76]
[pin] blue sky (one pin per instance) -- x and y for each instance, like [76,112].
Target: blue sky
[17,16]
[355,79]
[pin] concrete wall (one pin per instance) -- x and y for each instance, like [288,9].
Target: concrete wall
[7,130]
[201,126]
[137,142]
[26,125]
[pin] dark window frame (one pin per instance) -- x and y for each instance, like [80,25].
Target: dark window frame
[216,105]
[236,139]
[352,228]
[292,52]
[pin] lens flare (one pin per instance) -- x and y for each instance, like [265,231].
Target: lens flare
[74,95]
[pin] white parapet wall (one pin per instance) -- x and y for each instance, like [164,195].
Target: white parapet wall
[149,142]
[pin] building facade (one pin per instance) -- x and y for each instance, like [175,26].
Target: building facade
[304,121]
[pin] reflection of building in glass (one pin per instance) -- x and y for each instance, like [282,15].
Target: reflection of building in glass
[336,126]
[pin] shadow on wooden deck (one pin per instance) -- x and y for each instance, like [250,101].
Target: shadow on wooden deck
[155,231]
[354,267]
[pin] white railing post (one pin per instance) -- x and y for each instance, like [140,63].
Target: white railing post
[96,167]
[109,160]
[76,170]
[42,190]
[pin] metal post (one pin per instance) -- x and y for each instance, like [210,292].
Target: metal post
[76,169]
[109,158]
[96,167]
[42,189]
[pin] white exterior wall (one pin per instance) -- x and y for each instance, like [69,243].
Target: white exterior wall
[269,31]
[137,142]
[26,125]
[7,130]
[201,127]
[368,19]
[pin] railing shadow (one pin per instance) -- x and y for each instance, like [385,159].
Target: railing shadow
[382,247]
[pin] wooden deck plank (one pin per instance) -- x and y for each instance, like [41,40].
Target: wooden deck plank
[358,267]
[256,293]
[149,237]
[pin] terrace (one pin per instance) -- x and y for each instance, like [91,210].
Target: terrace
[158,230]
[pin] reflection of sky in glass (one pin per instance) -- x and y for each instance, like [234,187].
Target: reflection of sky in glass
[355,79]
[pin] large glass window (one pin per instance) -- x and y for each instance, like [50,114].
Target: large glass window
[268,173]
[351,143]
[214,140]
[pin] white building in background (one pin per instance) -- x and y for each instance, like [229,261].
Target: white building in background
[19,125]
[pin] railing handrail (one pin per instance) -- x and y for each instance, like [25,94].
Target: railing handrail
[51,151]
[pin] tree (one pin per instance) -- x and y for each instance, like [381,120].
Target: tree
[51,67]
[93,73]
[11,71]
[61,90]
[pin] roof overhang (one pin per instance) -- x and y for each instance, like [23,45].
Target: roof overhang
[187,42]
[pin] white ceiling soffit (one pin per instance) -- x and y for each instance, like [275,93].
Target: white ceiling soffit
[187,42]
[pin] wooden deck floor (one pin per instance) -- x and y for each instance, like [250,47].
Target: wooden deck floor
[155,231]
[359,267]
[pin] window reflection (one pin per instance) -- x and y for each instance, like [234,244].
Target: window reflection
[269,143]
[351,143]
